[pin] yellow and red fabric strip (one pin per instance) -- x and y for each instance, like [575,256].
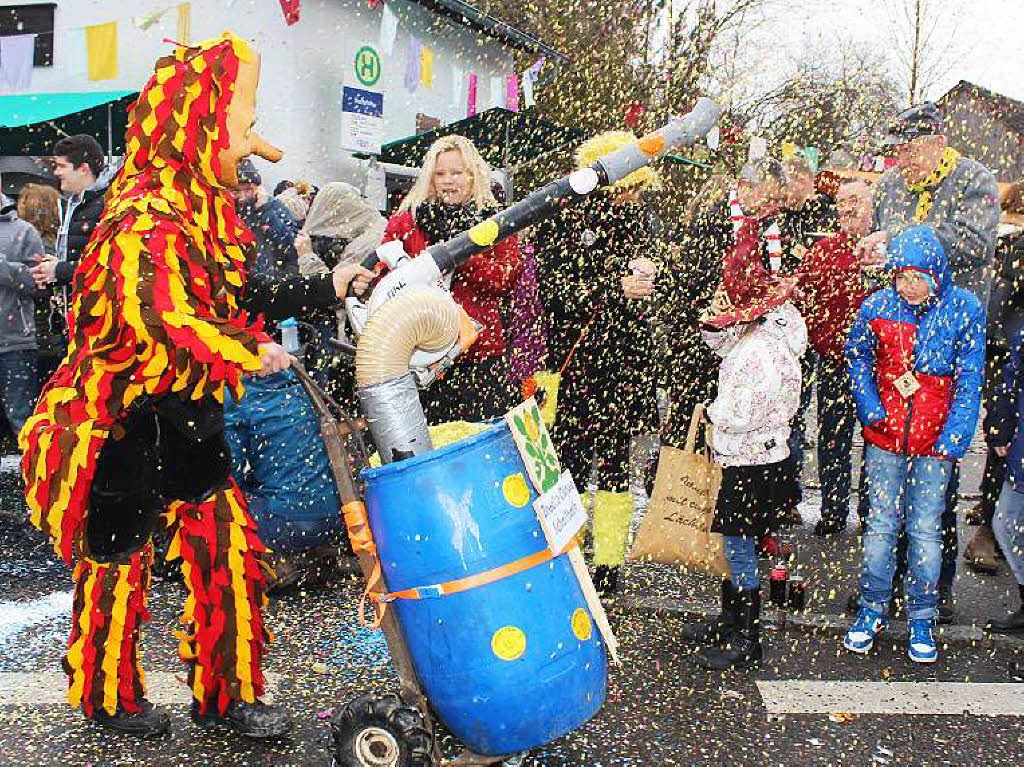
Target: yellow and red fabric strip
[223,636]
[155,296]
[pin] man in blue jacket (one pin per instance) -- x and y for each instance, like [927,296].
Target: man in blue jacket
[1006,438]
[915,355]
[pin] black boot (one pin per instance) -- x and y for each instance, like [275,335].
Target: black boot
[743,649]
[606,579]
[716,631]
[150,722]
[253,720]
[1012,623]
[945,612]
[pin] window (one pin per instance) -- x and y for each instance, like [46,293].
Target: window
[29,19]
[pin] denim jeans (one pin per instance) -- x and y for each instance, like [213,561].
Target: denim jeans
[910,490]
[739,551]
[836,422]
[281,533]
[19,386]
[1008,525]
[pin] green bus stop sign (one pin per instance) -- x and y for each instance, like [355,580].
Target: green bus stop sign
[367,65]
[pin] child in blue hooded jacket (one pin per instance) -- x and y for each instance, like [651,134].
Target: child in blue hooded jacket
[915,355]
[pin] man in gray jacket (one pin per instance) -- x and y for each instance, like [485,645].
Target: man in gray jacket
[20,247]
[934,185]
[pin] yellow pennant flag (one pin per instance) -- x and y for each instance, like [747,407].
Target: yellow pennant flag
[427,67]
[789,149]
[185,23]
[102,43]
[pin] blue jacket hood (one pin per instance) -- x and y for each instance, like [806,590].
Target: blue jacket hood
[920,248]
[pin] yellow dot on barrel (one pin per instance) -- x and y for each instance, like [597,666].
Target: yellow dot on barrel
[651,144]
[515,490]
[484,233]
[508,643]
[581,624]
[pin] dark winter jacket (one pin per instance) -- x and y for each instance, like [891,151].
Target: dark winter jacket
[85,215]
[275,231]
[19,245]
[942,342]
[1006,303]
[685,289]
[583,254]
[801,227]
[1006,416]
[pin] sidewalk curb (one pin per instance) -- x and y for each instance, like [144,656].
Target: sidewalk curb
[820,623]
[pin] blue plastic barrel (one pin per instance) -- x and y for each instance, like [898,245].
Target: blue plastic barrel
[508,666]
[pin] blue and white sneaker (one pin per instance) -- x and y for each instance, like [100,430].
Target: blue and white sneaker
[921,646]
[865,629]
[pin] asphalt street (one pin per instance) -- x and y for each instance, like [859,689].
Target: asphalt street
[660,710]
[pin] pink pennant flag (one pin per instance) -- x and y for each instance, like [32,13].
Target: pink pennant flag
[512,93]
[471,100]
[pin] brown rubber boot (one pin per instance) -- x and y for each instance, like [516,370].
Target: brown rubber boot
[980,554]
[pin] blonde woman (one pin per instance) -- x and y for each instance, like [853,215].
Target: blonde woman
[451,194]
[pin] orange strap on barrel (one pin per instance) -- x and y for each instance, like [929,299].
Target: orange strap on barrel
[473,581]
[358,525]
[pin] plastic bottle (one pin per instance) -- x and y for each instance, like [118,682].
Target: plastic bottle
[289,335]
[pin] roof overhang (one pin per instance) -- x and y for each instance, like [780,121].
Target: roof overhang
[480,21]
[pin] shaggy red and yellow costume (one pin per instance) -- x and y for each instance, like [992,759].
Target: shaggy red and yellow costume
[155,321]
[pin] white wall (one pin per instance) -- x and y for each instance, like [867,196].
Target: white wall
[304,67]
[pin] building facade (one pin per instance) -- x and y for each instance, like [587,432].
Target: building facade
[304,66]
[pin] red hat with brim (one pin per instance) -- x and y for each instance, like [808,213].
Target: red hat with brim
[748,290]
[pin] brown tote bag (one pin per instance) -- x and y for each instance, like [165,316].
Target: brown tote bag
[677,527]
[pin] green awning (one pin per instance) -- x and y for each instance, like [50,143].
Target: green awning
[505,139]
[30,123]
[27,108]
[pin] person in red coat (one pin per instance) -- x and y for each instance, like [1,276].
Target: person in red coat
[829,281]
[451,194]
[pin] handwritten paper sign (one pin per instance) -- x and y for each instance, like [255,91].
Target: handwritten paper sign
[561,513]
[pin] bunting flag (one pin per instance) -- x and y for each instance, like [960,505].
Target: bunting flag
[789,149]
[413,64]
[427,66]
[147,20]
[497,96]
[529,78]
[813,156]
[634,111]
[388,30]
[16,56]
[290,9]
[185,23]
[471,95]
[73,52]
[101,40]
[758,148]
[512,93]
[457,77]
